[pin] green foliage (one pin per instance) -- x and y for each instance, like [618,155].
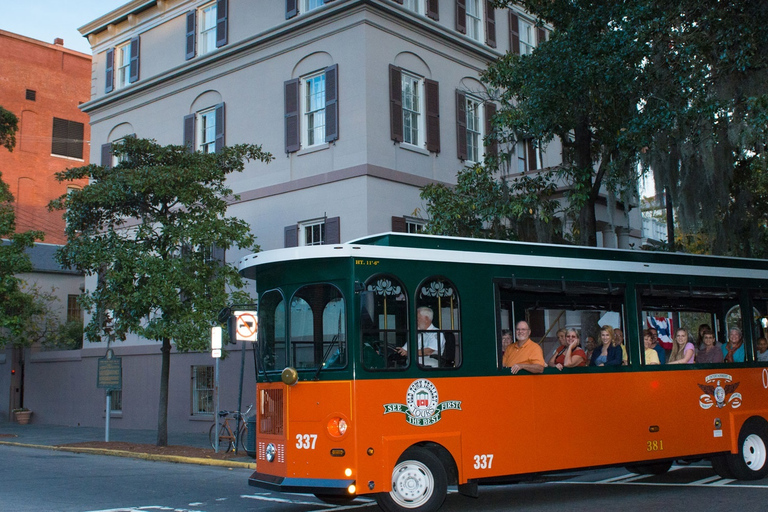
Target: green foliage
[149,228]
[9,125]
[36,321]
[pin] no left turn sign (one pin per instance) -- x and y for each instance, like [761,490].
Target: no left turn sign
[246,325]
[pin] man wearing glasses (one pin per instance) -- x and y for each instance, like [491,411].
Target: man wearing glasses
[524,354]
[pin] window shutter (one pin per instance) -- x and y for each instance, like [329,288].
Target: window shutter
[191,30]
[133,74]
[110,74]
[292,127]
[490,24]
[291,236]
[291,10]
[221,23]
[220,124]
[332,103]
[218,254]
[106,155]
[189,132]
[432,93]
[395,103]
[433,10]
[490,110]
[398,225]
[332,231]
[461,16]
[461,125]
[76,139]
[514,33]
[398,2]
[531,155]
[541,36]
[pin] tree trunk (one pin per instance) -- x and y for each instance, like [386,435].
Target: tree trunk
[585,165]
[162,410]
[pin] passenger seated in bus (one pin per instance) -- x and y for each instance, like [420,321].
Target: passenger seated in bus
[607,354]
[651,357]
[733,351]
[762,350]
[618,339]
[569,354]
[524,354]
[657,346]
[683,351]
[427,340]
[591,346]
[506,340]
[700,339]
[709,352]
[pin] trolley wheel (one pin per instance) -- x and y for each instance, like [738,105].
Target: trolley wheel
[224,445]
[653,468]
[336,499]
[419,482]
[720,465]
[751,463]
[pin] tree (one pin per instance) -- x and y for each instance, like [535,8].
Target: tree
[581,87]
[16,307]
[154,229]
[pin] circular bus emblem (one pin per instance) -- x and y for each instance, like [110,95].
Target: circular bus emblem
[421,398]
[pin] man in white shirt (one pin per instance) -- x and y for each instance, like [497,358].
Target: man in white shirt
[428,352]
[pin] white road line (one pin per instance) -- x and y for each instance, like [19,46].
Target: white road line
[283,500]
[707,480]
[726,481]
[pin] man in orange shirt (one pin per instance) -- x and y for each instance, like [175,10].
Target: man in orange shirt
[524,354]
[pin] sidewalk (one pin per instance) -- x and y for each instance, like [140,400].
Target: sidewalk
[56,437]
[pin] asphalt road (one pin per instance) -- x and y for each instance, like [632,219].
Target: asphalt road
[44,480]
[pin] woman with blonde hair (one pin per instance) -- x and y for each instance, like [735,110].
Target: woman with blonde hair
[607,354]
[683,351]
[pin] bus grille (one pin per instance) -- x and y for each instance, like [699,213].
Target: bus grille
[271,412]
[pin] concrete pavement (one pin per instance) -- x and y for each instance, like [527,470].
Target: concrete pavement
[52,437]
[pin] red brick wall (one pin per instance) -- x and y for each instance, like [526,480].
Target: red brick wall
[61,79]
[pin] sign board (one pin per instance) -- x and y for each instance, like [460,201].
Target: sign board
[246,325]
[110,375]
[216,342]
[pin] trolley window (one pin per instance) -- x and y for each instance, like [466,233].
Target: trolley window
[384,323]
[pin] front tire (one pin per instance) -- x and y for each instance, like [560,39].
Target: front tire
[419,482]
[751,463]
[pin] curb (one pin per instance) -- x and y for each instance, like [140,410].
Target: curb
[134,455]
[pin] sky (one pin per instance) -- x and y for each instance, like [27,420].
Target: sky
[48,19]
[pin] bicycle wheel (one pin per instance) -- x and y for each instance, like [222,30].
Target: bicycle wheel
[225,443]
[243,436]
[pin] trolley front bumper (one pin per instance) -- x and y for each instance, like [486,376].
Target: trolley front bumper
[301,485]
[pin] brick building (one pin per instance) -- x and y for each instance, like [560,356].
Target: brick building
[43,85]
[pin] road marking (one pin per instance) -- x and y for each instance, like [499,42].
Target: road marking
[707,480]
[283,500]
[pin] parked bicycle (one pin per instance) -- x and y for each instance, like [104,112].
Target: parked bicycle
[227,438]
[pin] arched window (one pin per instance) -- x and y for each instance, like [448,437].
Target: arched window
[384,323]
[439,324]
[271,344]
[318,327]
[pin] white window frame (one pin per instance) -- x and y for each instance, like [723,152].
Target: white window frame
[312,232]
[416,6]
[116,401]
[475,112]
[413,101]
[206,131]
[206,33]
[521,148]
[313,109]
[414,225]
[197,389]
[122,65]
[115,159]
[527,32]
[311,5]
[474,22]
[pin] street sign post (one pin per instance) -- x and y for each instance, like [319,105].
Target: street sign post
[246,325]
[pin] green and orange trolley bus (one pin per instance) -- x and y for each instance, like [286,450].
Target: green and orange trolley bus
[342,413]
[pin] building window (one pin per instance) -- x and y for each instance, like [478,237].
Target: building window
[67,138]
[31,95]
[414,5]
[202,390]
[413,106]
[312,232]
[527,37]
[73,307]
[528,155]
[206,135]
[310,5]
[474,129]
[207,34]
[122,65]
[314,109]
[413,225]
[115,400]
[474,19]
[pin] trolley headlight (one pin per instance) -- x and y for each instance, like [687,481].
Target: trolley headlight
[337,427]
[271,451]
[289,376]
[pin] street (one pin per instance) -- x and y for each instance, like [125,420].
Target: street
[46,480]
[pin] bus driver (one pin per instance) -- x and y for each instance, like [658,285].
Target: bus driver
[428,351]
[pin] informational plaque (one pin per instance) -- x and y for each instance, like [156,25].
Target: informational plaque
[110,373]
